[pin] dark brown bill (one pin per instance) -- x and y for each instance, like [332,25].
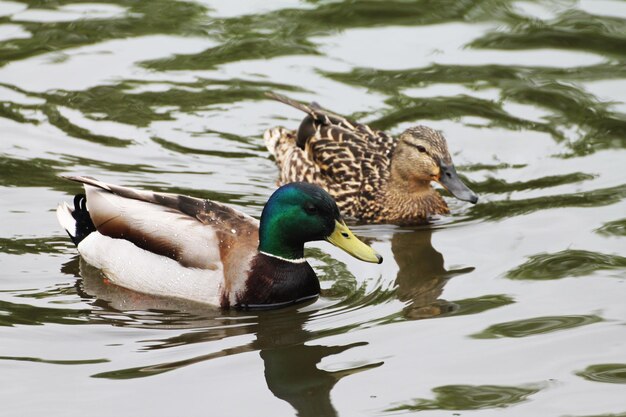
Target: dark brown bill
[451,181]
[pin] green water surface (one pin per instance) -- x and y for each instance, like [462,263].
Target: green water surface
[513,307]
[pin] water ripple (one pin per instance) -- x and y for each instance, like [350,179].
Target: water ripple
[614,228]
[614,373]
[471,397]
[54,361]
[567,263]
[535,326]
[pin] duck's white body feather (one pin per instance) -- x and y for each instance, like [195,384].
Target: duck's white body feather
[131,267]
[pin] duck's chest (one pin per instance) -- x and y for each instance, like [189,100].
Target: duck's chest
[275,281]
[402,208]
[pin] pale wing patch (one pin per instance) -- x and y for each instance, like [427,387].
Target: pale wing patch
[154,228]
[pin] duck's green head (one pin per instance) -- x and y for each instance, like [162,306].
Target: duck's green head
[300,212]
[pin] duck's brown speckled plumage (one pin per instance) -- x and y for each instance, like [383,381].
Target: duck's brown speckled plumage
[373,177]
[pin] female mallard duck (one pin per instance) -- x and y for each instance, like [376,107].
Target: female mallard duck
[373,177]
[189,248]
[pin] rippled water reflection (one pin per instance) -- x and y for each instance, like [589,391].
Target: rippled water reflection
[514,306]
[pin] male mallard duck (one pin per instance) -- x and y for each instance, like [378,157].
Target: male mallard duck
[179,246]
[373,177]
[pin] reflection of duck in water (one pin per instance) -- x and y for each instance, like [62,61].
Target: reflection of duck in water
[291,364]
[421,275]
[289,356]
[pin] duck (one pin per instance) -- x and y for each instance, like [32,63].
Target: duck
[203,251]
[373,176]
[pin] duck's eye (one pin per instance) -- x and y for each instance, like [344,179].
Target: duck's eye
[418,147]
[310,208]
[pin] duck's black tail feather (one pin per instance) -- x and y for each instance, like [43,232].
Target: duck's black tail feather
[316,116]
[76,222]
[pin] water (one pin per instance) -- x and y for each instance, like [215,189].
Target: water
[512,307]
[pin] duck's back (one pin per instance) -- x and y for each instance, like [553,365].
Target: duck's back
[350,160]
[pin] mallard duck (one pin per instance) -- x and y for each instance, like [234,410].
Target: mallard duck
[373,177]
[185,247]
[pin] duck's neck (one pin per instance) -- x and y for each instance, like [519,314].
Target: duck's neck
[404,200]
[272,243]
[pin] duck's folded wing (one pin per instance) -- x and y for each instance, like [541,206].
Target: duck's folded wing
[192,231]
[355,169]
[338,153]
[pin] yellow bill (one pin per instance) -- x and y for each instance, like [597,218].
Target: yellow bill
[343,238]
